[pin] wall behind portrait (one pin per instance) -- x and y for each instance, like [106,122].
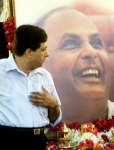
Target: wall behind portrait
[101,12]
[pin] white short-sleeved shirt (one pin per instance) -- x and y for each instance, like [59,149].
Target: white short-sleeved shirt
[15,87]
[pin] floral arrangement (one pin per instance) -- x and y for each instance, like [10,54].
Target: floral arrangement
[9,27]
[98,135]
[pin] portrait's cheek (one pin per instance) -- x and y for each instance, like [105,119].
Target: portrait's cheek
[106,59]
[64,58]
[107,69]
[103,56]
[61,63]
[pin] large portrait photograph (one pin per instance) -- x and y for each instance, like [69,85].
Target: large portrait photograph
[57,74]
[81,53]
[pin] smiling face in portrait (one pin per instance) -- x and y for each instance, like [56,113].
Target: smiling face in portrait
[77,54]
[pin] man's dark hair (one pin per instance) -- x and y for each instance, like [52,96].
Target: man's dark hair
[28,36]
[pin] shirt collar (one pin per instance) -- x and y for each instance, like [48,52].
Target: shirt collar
[39,71]
[11,65]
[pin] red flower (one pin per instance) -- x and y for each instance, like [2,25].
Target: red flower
[9,46]
[9,27]
[75,126]
[109,146]
[103,124]
[51,143]
[105,138]
[81,144]
[89,143]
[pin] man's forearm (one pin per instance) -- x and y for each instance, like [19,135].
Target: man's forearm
[53,113]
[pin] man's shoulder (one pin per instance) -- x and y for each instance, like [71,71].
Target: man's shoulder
[3,63]
[3,66]
[3,60]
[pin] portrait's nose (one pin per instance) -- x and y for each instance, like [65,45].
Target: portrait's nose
[89,52]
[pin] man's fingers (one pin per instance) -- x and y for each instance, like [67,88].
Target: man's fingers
[36,93]
[34,96]
[36,101]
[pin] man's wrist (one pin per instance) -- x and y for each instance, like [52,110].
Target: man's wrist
[53,106]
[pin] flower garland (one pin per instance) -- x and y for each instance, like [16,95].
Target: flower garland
[9,27]
[98,135]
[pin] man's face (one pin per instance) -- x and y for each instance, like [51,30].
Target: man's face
[38,57]
[77,55]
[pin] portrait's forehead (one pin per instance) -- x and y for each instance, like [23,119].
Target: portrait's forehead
[69,20]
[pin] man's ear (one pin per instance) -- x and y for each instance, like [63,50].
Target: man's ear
[28,52]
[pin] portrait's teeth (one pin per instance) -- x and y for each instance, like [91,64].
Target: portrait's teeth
[90,72]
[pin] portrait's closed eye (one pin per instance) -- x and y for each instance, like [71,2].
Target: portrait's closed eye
[96,42]
[70,42]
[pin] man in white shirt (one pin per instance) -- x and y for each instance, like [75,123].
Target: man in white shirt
[28,98]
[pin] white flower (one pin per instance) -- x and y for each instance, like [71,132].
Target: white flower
[89,136]
[99,136]
[74,137]
[110,134]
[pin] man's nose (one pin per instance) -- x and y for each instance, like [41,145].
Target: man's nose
[89,52]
